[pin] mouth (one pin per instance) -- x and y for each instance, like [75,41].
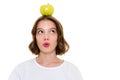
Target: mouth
[46,44]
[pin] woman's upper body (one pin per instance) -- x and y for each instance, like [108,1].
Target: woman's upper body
[48,42]
[31,70]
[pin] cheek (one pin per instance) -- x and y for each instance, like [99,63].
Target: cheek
[54,39]
[38,40]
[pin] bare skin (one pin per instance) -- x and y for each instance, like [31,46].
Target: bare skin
[46,37]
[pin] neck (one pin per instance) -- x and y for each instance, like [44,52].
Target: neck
[48,59]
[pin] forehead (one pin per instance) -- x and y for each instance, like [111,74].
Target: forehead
[46,24]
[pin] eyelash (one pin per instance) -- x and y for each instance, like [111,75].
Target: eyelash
[40,32]
[51,31]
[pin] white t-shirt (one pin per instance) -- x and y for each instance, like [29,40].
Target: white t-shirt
[31,70]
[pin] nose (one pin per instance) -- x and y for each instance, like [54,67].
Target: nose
[46,37]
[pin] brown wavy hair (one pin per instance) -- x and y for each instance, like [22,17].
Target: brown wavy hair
[62,45]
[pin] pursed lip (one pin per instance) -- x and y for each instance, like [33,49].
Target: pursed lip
[46,44]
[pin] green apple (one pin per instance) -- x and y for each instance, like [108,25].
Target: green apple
[46,9]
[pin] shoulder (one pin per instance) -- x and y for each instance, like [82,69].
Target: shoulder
[73,71]
[20,69]
[24,64]
[70,65]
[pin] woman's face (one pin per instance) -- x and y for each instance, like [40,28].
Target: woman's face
[46,36]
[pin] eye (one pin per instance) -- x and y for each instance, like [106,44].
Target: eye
[52,31]
[40,32]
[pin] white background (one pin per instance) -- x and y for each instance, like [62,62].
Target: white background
[91,27]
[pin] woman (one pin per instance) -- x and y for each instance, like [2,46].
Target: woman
[48,42]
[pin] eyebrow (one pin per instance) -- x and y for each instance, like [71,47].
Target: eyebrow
[42,28]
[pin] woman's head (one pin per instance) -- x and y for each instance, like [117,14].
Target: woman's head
[59,43]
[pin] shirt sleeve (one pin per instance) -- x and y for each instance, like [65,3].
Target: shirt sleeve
[74,72]
[78,74]
[14,75]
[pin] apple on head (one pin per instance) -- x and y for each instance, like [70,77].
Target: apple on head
[46,9]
